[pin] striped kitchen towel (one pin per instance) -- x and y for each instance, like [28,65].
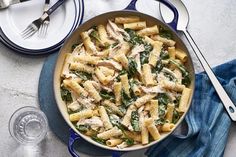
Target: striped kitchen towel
[207,121]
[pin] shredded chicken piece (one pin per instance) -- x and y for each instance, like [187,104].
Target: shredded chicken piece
[94,122]
[74,106]
[115,32]
[136,50]
[110,63]
[154,89]
[87,102]
[137,60]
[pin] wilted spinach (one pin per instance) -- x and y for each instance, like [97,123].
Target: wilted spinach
[159,121]
[82,128]
[135,120]
[165,33]
[164,55]
[159,66]
[99,140]
[129,141]
[163,98]
[66,95]
[74,46]
[126,100]
[107,95]
[162,110]
[134,38]
[132,67]
[83,75]
[176,116]
[186,76]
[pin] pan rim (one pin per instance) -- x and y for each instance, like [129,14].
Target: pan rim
[88,139]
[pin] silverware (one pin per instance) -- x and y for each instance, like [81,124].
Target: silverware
[36,24]
[44,28]
[6,3]
[182,26]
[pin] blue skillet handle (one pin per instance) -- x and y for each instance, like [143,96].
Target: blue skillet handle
[131,5]
[174,22]
[75,137]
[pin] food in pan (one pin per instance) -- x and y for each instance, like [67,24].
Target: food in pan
[126,82]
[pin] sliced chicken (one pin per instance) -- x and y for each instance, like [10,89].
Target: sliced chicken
[110,63]
[74,106]
[95,122]
[136,50]
[87,102]
[154,89]
[137,60]
[115,32]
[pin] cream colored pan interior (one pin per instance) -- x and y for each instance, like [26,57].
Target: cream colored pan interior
[75,38]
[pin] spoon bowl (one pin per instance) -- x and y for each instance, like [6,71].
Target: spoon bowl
[182,24]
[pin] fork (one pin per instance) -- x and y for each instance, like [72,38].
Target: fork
[44,28]
[36,24]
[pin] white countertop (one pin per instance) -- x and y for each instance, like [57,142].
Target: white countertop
[212,25]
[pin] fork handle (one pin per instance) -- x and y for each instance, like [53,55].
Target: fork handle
[55,6]
[224,97]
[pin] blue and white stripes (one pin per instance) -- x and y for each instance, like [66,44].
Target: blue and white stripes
[207,121]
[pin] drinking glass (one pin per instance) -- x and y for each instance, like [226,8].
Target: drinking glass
[28,125]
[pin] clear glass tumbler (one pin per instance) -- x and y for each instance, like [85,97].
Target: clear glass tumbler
[28,125]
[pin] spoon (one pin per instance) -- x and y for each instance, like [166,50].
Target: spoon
[182,24]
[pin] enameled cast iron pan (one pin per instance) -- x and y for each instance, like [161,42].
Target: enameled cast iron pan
[75,38]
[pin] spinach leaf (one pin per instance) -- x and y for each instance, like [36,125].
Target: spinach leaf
[74,46]
[177,100]
[132,67]
[121,73]
[165,33]
[163,98]
[113,45]
[94,35]
[186,80]
[148,47]
[162,111]
[134,38]
[171,77]
[126,100]
[176,116]
[145,54]
[83,128]
[135,120]
[83,75]
[107,95]
[115,122]
[164,55]
[159,66]
[132,83]
[122,108]
[186,76]
[144,57]
[99,140]
[129,141]
[160,121]
[66,95]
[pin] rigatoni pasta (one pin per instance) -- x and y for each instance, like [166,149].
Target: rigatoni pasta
[125,84]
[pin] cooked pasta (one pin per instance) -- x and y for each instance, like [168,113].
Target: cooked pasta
[125,83]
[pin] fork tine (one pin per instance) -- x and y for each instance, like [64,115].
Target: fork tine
[28,33]
[40,31]
[26,30]
[46,29]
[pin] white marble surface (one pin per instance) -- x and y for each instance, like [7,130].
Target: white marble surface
[212,25]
